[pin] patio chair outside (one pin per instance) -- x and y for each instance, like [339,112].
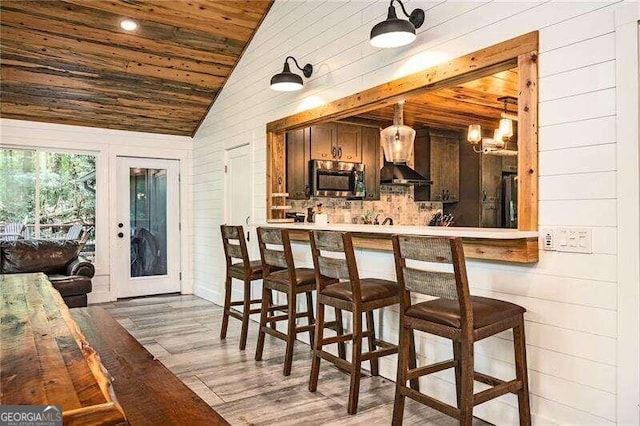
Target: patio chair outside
[12,232]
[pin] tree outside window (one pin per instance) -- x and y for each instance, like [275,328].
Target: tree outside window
[49,192]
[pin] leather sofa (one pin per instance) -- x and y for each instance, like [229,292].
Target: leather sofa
[58,259]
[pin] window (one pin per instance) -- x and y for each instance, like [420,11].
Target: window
[53,194]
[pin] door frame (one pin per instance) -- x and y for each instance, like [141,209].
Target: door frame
[227,153]
[115,275]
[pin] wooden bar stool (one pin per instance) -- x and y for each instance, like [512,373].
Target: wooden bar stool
[280,274]
[235,247]
[458,316]
[355,295]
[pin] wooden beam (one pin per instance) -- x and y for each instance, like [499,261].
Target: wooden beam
[528,141]
[490,60]
[520,250]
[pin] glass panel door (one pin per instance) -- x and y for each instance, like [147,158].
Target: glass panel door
[148,221]
[147,229]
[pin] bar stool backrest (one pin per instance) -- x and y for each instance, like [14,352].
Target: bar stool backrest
[341,264]
[235,246]
[275,250]
[419,268]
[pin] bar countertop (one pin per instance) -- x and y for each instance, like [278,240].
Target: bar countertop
[489,233]
[504,245]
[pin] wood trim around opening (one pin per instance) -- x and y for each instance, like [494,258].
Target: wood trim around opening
[521,51]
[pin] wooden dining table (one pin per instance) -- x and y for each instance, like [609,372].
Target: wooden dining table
[51,355]
[44,357]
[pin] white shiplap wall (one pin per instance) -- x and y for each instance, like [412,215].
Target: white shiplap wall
[107,145]
[571,323]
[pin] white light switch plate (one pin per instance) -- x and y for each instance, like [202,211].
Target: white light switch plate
[574,240]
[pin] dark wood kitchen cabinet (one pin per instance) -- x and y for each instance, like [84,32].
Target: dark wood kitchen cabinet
[298,155]
[336,141]
[371,160]
[349,143]
[437,157]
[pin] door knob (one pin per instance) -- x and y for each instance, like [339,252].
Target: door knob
[120,225]
[120,235]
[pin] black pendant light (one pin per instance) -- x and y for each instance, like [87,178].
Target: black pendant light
[394,32]
[286,81]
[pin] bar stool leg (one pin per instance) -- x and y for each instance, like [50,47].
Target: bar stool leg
[356,363]
[315,362]
[466,391]
[246,307]
[227,307]
[270,303]
[401,378]
[310,317]
[457,352]
[413,383]
[291,332]
[372,342]
[521,373]
[342,351]
[264,309]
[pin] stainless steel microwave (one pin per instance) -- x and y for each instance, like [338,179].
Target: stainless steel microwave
[337,179]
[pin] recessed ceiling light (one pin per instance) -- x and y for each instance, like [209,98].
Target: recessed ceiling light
[128,25]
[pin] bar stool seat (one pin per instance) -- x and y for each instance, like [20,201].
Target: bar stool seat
[237,269]
[486,311]
[371,289]
[304,276]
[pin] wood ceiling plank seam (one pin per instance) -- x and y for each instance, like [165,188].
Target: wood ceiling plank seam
[65,46]
[218,11]
[205,42]
[14,93]
[62,79]
[114,122]
[157,14]
[169,76]
[127,117]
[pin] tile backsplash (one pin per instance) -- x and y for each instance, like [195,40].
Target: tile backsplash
[396,202]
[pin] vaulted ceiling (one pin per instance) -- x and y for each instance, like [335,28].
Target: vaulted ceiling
[68,61]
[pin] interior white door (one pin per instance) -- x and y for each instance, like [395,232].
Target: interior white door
[239,186]
[147,227]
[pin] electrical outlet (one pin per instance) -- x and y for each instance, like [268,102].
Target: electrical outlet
[547,239]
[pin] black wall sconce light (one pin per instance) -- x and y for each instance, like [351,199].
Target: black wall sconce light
[286,81]
[394,32]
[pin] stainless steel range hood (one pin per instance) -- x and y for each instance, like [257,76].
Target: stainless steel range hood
[401,174]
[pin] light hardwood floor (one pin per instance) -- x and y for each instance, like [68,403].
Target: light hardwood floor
[183,333]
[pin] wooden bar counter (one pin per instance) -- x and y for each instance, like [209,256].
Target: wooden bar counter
[505,245]
[45,358]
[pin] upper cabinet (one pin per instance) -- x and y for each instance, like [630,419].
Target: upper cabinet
[336,142]
[437,156]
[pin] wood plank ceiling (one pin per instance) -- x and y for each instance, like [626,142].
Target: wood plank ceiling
[455,108]
[70,62]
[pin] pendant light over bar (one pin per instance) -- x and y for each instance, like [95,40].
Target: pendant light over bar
[394,32]
[397,139]
[286,81]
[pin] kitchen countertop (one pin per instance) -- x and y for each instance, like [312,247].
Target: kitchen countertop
[485,233]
